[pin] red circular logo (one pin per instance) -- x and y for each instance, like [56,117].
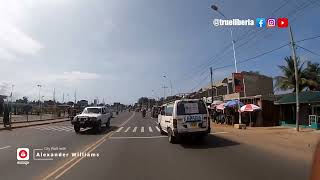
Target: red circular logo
[23,154]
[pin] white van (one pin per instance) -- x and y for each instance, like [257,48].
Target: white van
[184,117]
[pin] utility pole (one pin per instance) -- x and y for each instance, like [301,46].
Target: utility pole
[75,96]
[54,95]
[211,85]
[63,98]
[164,92]
[39,86]
[11,109]
[294,57]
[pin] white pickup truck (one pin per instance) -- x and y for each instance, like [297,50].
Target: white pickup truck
[92,117]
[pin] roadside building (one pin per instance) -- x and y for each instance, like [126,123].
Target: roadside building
[250,88]
[309,109]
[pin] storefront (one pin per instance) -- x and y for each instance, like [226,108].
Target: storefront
[309,109]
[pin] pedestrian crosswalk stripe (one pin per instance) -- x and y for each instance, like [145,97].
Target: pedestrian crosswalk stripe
[142,129]
[66,128]
[150,129]
[119,129]
[127,129]
[54,128]
[134,129]
[157,128]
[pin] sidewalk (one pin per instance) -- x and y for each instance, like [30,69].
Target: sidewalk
[33,123]
[284,140]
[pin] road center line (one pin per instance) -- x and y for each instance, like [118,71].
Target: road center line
[138,137]
[94,145]
[219,132]
[5,147]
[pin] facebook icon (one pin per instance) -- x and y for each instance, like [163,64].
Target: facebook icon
[261,22]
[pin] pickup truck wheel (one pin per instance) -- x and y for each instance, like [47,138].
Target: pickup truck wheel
[108,123]
[97,128]
[172,139]
[76,128]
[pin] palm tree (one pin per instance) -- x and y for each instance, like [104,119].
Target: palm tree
[288,81]
[312,73]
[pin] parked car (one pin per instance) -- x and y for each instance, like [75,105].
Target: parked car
[93,117]
[188,117]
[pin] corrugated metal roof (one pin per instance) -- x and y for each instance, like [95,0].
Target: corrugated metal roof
[304,97]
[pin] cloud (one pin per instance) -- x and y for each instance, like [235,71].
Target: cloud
[15,42]
[73,76]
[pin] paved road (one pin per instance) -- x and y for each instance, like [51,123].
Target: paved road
[134,149]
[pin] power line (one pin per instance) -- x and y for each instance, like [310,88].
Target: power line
[200,83]
[310,38]
[252,58]
[312,52]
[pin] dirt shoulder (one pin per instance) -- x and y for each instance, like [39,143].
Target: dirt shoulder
[283,140]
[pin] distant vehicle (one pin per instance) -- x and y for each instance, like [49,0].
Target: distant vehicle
[155,111]
[92,117]
[188,117]
[137,110]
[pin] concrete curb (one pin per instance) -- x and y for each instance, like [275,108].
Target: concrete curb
[36,124]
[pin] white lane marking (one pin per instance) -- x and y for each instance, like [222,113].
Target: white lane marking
[5,147]
[137,137]
[134,129]
[95,145]
[119,129]
[127,129]
[47,128]
[142,129]
[157,128]
[150,129]
[55,128]
[219,133]
[66,128]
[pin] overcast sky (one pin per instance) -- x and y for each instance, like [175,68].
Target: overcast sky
[120,50]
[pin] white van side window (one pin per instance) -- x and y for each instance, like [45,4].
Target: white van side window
[169,110]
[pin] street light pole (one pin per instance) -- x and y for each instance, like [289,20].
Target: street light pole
[214,7]
[11,109]
[296,77]
[40,110]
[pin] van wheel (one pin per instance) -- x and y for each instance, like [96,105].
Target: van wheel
[161,131]
[172,139]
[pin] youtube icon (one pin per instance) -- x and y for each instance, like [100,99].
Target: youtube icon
[283,22]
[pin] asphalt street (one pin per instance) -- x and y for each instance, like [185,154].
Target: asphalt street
[133,148]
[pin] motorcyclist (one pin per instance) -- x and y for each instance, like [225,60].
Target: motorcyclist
[144,112]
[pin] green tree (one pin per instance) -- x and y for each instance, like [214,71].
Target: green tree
[287,80]
[312,74]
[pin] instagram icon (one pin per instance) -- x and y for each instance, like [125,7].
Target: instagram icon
[271,22]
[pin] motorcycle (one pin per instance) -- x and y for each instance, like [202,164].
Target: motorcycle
[143,113]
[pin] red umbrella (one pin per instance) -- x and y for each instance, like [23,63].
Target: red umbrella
[250,108]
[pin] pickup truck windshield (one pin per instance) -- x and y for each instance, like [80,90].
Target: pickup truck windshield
[191,107]
[93,110]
